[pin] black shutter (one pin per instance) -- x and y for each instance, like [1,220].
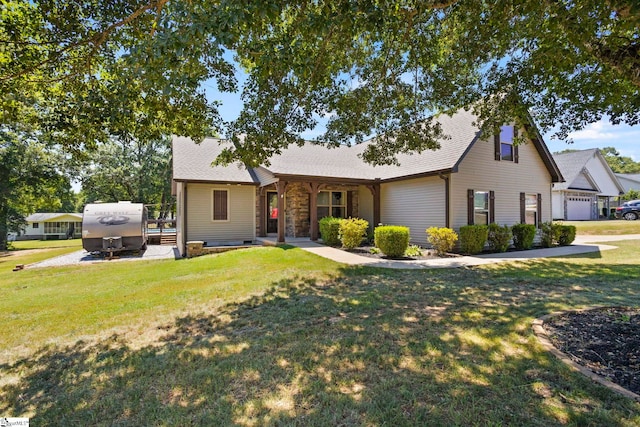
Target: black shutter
[523,208]
[349,204]
[220,205]
[470,207]
[492,207]
[496,145]
[539,214]
[516,156]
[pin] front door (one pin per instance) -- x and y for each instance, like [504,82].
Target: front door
[272,212]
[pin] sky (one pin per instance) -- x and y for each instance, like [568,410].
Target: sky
[624,138]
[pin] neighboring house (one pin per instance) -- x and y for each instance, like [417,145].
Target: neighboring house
[589,187]
[45,226]
[629,181]
[469,179]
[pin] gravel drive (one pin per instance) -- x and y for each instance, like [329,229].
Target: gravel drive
[84,257]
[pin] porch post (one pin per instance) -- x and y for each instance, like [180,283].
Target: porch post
[281,186]
[313,188]
[375,191]
[262,229]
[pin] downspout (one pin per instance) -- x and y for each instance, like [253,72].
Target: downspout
[447,197]
[184,220]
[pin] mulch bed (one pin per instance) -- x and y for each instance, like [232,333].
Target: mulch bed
[604,340]
[426,254]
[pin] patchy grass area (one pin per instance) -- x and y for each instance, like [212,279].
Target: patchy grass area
[45,244]
[30,251]
[280,337]
[605,227]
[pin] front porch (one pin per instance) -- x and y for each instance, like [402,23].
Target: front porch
[291,208]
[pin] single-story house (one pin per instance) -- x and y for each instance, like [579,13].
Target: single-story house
[45,226]
[589,188]
[471,179]
[629,181]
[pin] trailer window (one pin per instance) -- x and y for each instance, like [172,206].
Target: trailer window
[220,205]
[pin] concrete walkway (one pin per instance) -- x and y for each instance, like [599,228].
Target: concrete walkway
[582,245]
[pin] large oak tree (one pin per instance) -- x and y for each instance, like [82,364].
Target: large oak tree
[368,66]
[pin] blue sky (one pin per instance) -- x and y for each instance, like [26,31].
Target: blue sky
[624,138]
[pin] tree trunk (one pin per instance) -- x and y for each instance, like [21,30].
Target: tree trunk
[3,227]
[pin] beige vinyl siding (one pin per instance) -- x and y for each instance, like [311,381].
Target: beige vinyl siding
[481,172]
[416,203]
[557,198]
[240,226]
[365,205]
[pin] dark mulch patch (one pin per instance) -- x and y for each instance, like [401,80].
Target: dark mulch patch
[606,341]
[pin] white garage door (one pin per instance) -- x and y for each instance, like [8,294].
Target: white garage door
[578,208]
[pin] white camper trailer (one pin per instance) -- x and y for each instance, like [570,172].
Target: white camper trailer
[114,227]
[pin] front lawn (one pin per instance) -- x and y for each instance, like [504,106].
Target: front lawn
[280,337]
[605,227]
[46,244]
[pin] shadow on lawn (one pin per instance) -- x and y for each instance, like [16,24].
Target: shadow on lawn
[371,347]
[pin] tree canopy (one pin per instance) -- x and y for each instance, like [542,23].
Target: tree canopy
[131,170]
[31,181]
[619,163]
[137,68]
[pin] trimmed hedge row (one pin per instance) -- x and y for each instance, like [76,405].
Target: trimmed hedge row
[393,240]
[474,237]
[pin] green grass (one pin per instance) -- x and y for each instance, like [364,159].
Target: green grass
[281,337]
[46,244]
[605,227]
[29,255]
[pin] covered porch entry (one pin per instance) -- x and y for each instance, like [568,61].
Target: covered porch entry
[291,207]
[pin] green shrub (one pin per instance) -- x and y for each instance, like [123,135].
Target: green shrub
[441,239]
[330,230]
[546,234]
[413,251]
[352,232]
[549,234]
[523,235]
[567,234]
[393,240]
[472,238]
[499,237]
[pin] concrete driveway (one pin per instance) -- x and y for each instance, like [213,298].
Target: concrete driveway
[83,257]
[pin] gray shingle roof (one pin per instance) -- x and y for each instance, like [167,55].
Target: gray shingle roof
[344,162]
[571,165]
[47,216]
[631,176]
[192,162]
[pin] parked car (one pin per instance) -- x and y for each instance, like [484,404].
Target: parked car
[629,210]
